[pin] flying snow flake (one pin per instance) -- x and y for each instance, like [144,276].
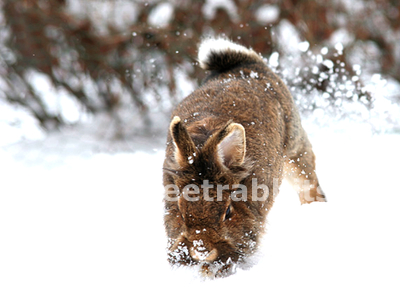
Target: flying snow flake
[315,70]
[326,95]
[339,48]
[210,8]
[161,15]
[267,14]
[303,46]
[357,69]
[274,60]
[376,78]
[328,63]
[323,76]
[338,94]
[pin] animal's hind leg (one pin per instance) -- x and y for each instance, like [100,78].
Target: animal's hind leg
[300,171]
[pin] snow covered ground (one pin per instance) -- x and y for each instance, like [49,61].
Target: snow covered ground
[82,224]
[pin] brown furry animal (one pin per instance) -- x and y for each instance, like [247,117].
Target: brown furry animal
[229,145]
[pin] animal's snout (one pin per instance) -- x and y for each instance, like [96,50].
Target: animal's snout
[200,253]
[207,256]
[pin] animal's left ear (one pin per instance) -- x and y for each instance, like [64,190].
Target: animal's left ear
[185,149]
[231,149]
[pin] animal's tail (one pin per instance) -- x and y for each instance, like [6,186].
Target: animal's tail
[219,54]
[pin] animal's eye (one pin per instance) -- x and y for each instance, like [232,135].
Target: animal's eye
[228,213]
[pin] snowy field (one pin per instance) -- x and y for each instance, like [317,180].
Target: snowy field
[82,224]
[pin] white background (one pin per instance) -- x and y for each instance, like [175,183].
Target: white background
[89,226]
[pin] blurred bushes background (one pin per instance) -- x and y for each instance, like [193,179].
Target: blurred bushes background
[61,60]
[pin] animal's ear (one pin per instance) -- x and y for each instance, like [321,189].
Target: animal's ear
[185,149]
[231,150]
[228,145]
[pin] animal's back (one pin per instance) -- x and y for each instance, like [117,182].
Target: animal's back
[246,91]
[243,88]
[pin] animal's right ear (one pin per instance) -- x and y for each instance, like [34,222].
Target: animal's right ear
[231,149]
[185,149]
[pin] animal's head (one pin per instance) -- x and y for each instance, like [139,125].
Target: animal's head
[207,217]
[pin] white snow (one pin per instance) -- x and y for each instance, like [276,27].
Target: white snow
[287,38]
[328,63]
[274,60]
[267,14]
[253,74]
[104,14]
[161,15]
[89,226]
[341,36]
[303,46]
[339,48]
[56,100]
[210,8]
[17,123]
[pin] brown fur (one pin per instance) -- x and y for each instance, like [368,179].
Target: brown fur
[243,94]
